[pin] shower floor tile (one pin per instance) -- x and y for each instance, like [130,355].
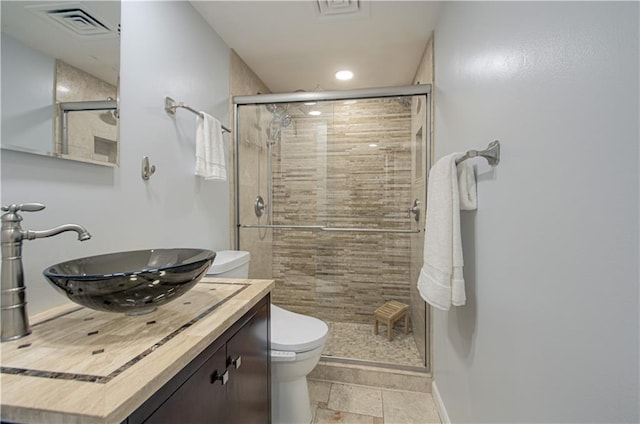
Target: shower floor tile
[357,341]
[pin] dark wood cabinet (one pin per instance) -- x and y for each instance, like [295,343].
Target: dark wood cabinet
[249,373]
[198,399]
[228,382]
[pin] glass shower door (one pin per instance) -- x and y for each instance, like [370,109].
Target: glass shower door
[338,179]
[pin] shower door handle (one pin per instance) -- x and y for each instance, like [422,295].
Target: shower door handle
[329,229]
[415,210]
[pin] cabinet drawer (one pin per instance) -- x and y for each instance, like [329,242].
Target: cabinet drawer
[203,395]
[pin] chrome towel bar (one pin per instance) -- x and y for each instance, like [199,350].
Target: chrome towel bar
[171,105]
[367,230]
[491,154]
[329,229]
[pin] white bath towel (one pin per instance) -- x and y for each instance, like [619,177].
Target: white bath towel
[210,160]
[441,282]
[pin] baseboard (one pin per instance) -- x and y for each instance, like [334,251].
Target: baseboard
[444,416]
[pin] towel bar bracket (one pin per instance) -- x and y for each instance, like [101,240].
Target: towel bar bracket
[170,106]
[491,154]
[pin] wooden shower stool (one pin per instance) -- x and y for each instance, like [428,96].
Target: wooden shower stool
[390,313]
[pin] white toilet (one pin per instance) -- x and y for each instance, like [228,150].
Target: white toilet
[230,264]
[297,342]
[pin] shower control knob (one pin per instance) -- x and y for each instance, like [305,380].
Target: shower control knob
[259,206]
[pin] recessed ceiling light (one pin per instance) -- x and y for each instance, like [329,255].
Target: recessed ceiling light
[315,113]
[344,75]
[373,145]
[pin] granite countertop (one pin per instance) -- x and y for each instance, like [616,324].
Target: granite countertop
[85,366]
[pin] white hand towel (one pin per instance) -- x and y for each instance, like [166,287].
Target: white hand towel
[210,160]
[467,187]
[441,282]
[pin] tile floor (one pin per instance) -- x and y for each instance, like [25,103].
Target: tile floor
[357,341]
[353,404]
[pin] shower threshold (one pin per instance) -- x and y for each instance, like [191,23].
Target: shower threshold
[374,364]
[373,374]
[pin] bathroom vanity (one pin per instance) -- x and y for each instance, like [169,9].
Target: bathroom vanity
[201,358]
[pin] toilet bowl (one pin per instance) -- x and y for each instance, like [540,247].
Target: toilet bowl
[297,342]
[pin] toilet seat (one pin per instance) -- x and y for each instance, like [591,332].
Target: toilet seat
[289,356]
[291,332]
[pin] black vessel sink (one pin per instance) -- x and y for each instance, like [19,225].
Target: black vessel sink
[133,282]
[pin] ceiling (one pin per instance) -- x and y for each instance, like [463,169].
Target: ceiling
[292,46]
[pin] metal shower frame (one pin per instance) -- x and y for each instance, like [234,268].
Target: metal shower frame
[297,97]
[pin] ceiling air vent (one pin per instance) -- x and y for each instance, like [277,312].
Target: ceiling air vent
[74,17]
[79,21]
[338,7]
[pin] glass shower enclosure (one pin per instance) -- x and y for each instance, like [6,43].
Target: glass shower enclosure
[330,195]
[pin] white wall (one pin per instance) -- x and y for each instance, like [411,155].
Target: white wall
[550,331]
[28,82]
[166,49]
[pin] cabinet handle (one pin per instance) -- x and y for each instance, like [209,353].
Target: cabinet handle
[237,362]
[224,377]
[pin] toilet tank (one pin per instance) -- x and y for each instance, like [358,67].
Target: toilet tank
[230,264]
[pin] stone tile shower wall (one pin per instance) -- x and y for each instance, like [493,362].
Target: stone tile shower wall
[253,122]
[349,167]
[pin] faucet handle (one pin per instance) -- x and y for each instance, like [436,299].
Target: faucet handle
[25,207]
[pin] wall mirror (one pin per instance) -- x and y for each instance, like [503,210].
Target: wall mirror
[60,72]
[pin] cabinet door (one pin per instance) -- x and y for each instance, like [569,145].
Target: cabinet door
[201,399]
[248,363]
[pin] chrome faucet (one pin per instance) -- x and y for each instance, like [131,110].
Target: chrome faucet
[14,322]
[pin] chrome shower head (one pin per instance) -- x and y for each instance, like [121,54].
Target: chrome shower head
[286,121]
[279,119]
[109,117]
[276,108]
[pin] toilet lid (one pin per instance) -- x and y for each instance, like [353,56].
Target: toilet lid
[294,332]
